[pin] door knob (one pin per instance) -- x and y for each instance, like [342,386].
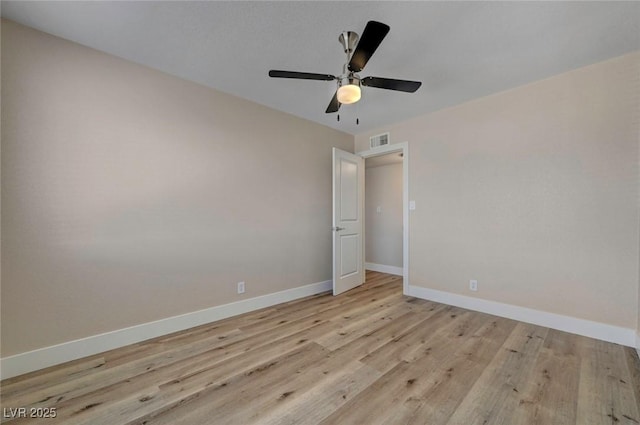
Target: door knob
[337,229]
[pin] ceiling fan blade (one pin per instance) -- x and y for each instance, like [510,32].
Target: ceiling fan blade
[300,75]
[334,105]
[391,84]
[371,38]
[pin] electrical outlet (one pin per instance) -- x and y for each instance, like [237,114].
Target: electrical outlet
[473,285]
[240,287]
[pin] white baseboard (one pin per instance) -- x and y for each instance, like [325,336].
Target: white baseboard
[383,269]
[49,356]
[597,330]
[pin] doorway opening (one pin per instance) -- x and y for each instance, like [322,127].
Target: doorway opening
[383,213]
[386,236]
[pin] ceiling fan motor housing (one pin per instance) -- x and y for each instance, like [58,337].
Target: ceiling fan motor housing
[349,78]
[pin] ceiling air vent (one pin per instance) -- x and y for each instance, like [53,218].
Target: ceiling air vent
[379,140]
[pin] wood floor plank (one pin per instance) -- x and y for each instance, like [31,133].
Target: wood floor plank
[606,392]
[50,396]
[633,368]
[430,339]
[405,378]
[369,356]
[33,382]
[377,318]
[495,396]
[357,307]
[548,396]
[241,398]
[325,397]
[264,395]
[544,399]
[455,375]
[183,382]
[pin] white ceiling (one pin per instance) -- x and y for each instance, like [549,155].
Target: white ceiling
[459,50]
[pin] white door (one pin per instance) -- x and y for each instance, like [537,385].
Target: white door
[348,221]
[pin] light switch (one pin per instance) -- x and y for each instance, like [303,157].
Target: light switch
[379,209]
[412,205]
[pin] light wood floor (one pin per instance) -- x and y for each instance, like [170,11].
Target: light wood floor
[370,356]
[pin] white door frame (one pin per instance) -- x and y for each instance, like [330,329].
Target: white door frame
[383,150]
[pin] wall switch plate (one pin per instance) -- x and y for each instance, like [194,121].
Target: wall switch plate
[379,209]
[240,287]
[473,285]
[412,205]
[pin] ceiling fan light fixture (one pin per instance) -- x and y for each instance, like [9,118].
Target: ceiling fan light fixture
[349,93]
[349,90]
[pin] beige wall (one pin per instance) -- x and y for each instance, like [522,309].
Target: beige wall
[129,195]
[383,230]
[534,193]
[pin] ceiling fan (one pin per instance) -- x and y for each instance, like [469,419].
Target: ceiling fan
[349,82]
